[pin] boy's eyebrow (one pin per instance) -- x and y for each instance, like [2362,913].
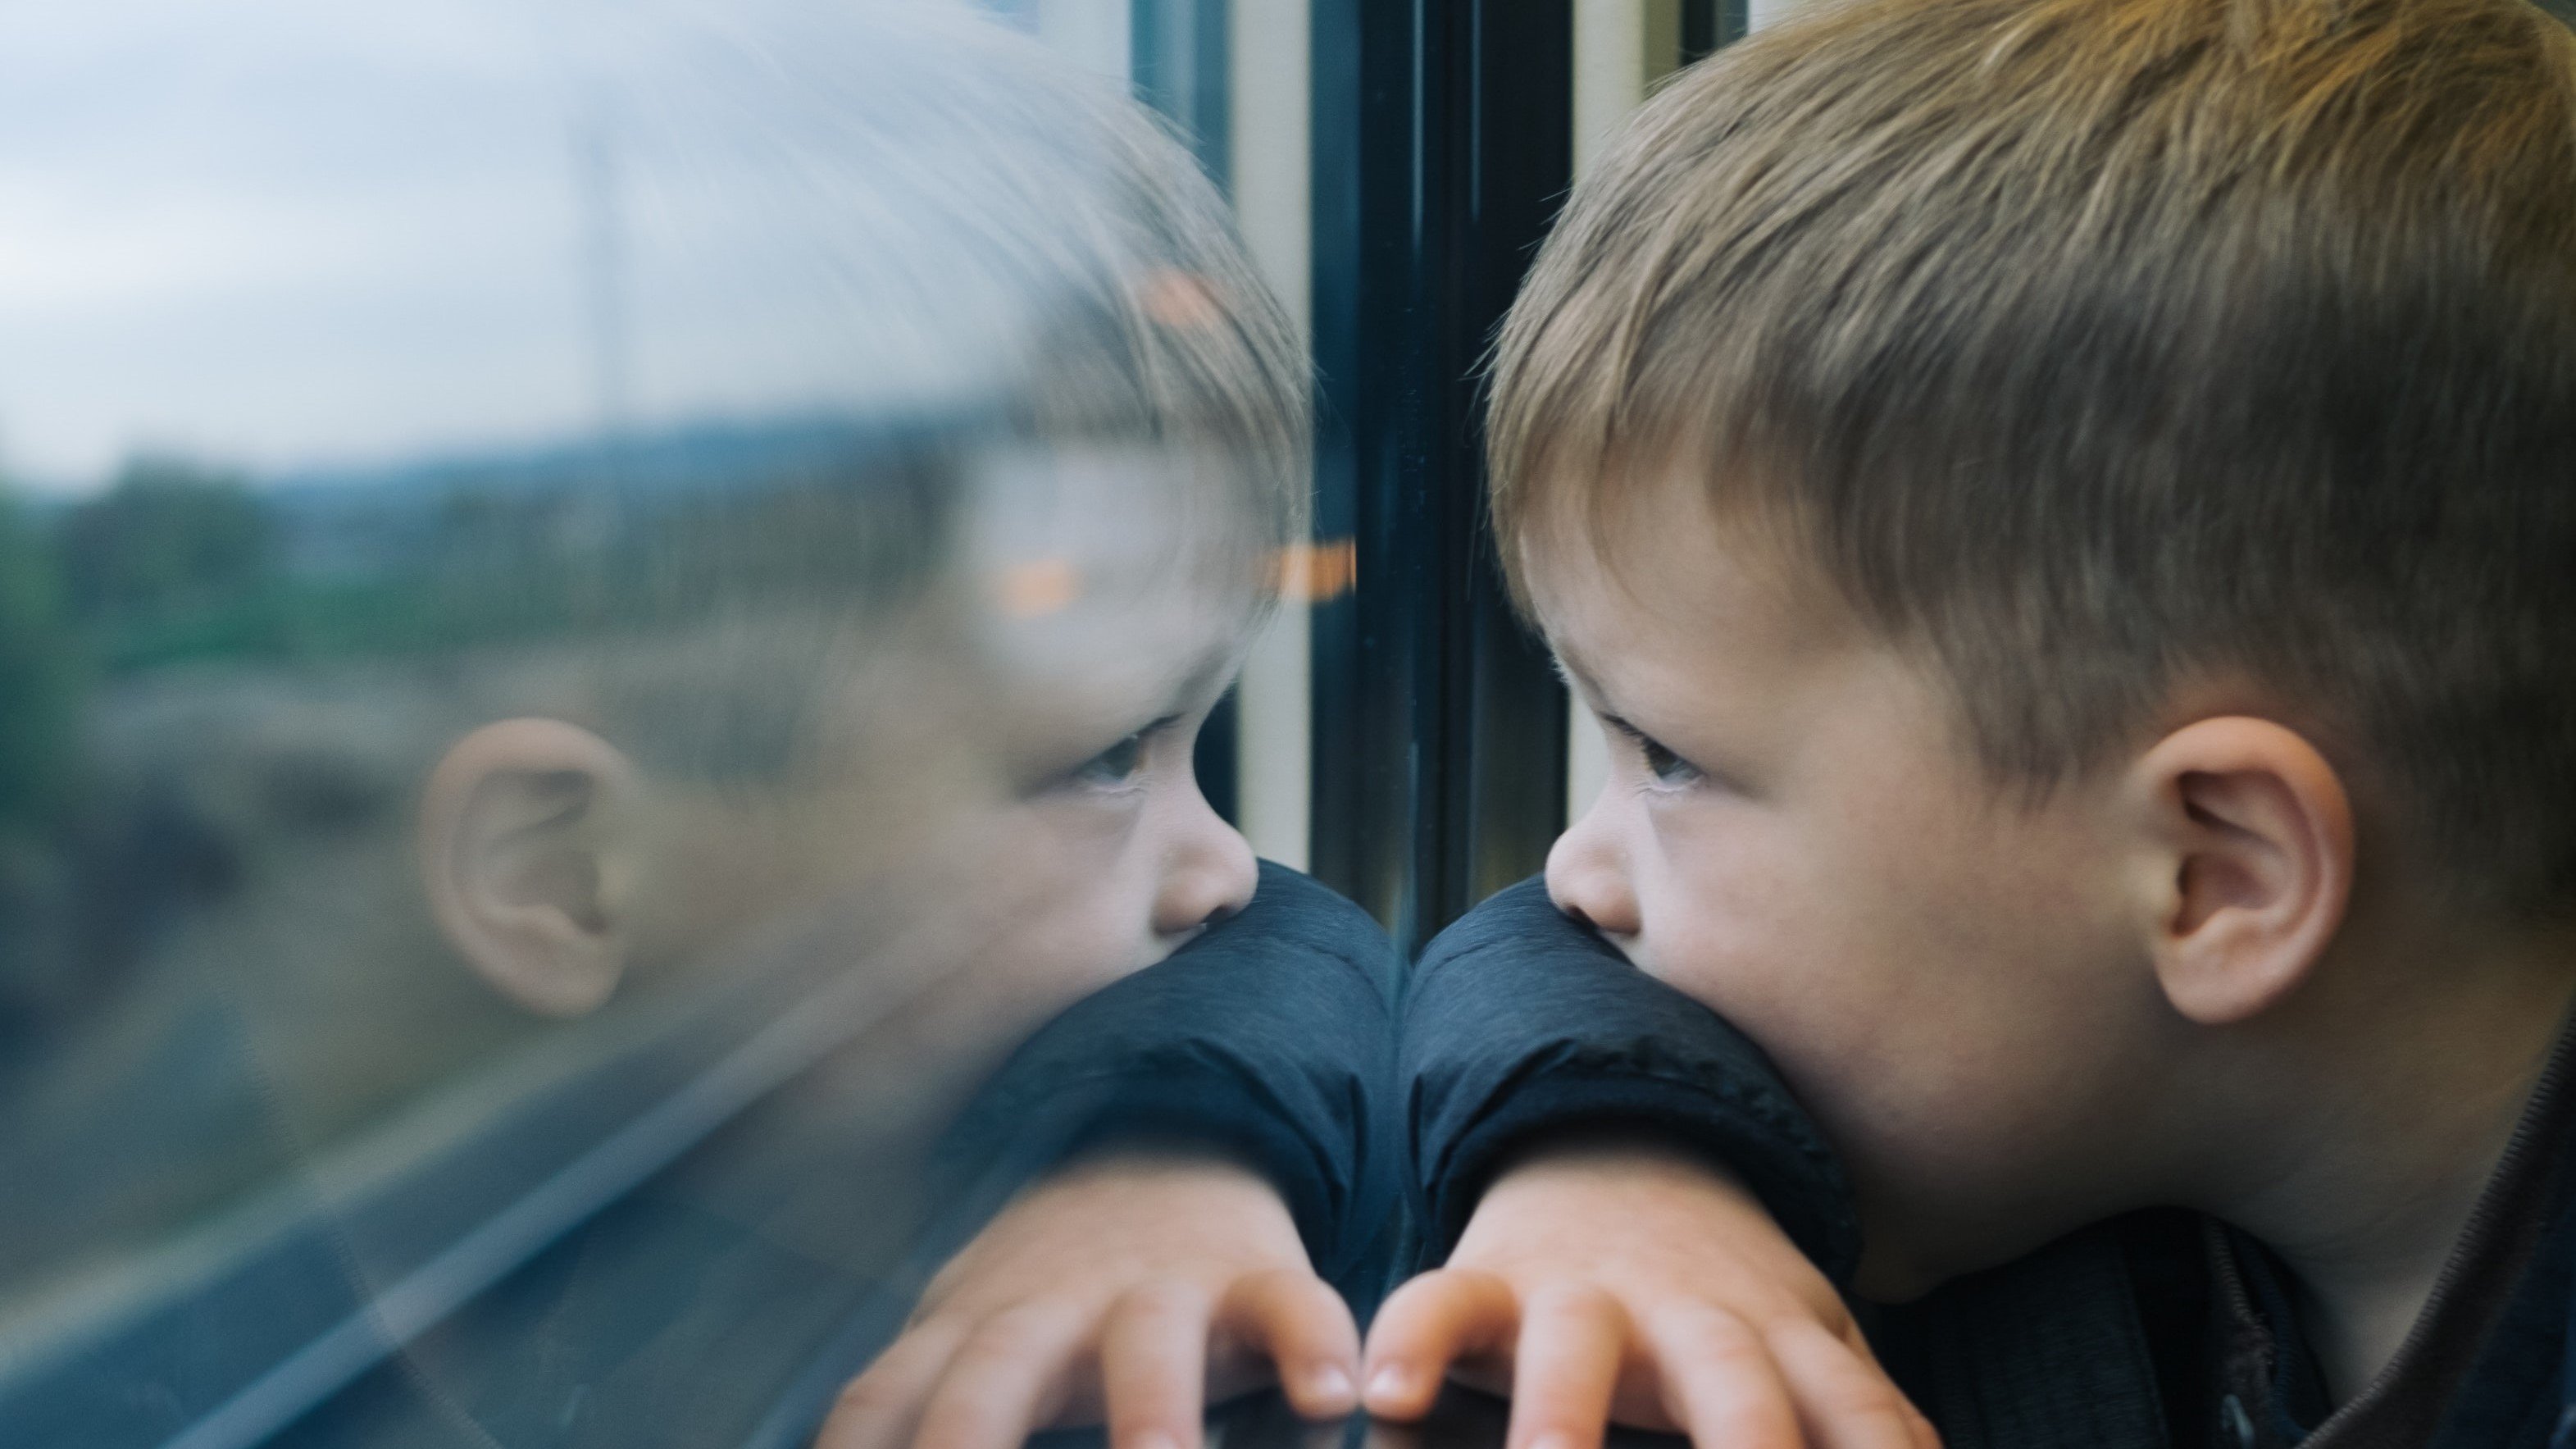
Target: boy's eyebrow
[1591,692]
[1201,677]
[1579,681]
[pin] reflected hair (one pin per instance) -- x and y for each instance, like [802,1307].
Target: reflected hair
[2097,348]
[997,257]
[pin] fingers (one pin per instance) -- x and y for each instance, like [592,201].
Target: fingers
[1157,1357]
[1565,1369]
[1153,1364]
[1424,1327]
[1794,1383]
[1302,1326]
[1844,1401]
[949,1384]
[879,1408]
[1004,1380]
[1718,1380]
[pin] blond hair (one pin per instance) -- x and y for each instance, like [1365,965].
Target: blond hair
[2095,345]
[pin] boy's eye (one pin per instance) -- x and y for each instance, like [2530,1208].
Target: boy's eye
[1667,768]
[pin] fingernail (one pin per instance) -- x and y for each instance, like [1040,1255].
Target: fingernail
[1388,1382]
[1331,1384]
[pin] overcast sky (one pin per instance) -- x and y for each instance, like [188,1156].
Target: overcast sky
[282,233]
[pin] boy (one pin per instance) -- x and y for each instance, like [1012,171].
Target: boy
[2067,509]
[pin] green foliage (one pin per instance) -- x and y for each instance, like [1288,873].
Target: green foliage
[178,563]
[40,682]
[167,538]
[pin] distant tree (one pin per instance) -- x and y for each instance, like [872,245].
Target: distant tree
[167,536]
[40,676]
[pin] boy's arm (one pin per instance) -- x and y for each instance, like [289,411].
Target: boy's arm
[1521,1024]
[1628,1201]
[1158,1176]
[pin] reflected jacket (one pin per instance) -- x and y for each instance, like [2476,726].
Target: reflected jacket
[1270,1037]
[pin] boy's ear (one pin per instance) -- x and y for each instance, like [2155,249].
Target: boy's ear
[524,859]
[2253,856]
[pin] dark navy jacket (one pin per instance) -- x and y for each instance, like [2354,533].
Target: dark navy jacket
[2161,1328]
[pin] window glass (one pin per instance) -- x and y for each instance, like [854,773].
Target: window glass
[1232,77]
[601,609]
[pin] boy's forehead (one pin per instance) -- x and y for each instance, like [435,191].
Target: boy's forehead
[1600,569]
[1102,627]
[1055,530]
[1070,706]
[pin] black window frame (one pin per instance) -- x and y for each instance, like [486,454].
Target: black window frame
[1442,147]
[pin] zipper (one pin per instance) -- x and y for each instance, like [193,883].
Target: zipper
[2540,1118]
[2249,1336]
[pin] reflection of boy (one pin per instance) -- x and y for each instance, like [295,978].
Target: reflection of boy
[990,745]
[2067,512]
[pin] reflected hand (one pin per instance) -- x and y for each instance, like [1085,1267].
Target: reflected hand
[1637,1284]
[1131,1288]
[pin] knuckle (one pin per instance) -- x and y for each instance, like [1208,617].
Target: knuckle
[1427,1281]
[1573,1300]
[869,1394]
[1707,1328]
[1296,1309]
[1009,1336]
[1127,1429]
[1279,1284]
[1835,1317]
[945,1283]
[1423,1296]
[1474,1280]
[1161,1299]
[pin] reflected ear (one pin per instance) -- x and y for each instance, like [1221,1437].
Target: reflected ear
[2254,864]
[522,857]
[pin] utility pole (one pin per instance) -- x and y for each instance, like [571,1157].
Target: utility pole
[602,264]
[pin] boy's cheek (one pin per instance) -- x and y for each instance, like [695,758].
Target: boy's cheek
[1969,1141]
[1082,917]
[1886,1079]
[1020,951]
[1799,989]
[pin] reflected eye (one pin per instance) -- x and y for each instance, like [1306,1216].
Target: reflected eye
[1115,765]
[1670,771]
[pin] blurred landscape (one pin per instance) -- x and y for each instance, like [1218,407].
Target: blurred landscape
[218,698]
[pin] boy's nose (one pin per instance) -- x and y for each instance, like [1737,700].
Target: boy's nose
[1208,871]
[1587,878]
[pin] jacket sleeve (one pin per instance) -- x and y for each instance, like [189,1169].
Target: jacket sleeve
[1270,1037]
[1520,1022]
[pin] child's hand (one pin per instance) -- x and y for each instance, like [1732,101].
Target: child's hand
[1636,1283]
[1130,1288]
